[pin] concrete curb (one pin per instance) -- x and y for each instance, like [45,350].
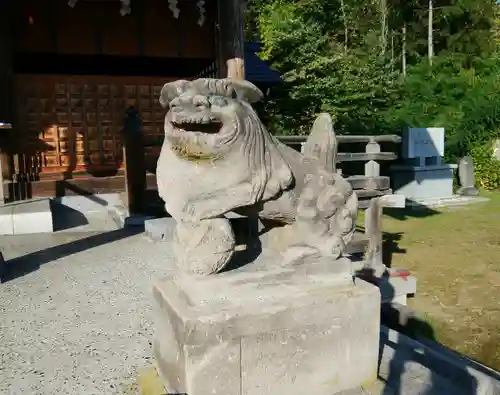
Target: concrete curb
[453,201]
[400,322]
[457,368]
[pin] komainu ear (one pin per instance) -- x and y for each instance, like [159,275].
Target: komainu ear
[246,91]
[228,87]
[171,90]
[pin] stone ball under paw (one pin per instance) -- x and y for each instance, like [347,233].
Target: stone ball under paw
[205,247]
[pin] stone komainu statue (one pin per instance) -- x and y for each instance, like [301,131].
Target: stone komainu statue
[218,157]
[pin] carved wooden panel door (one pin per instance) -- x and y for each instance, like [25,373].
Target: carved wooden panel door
[68,124]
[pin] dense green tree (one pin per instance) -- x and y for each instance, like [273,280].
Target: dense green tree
[380,65]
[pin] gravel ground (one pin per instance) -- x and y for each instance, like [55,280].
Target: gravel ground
[75,311]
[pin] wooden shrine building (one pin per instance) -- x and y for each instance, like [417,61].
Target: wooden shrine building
[69,71]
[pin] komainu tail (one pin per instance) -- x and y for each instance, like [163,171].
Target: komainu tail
[322,142]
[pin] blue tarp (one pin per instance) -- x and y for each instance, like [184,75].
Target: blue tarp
[256,70]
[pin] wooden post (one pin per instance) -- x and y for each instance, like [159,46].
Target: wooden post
[373,229]
[135,166]
[6,89]
[231,38]
[5,130]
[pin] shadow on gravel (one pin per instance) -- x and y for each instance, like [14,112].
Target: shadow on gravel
[399,359]
[28,263]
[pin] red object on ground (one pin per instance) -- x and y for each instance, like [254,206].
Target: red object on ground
[401,273]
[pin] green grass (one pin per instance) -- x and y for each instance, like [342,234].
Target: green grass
[455,255]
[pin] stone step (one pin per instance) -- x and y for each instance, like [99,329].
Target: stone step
[61,214]
[25,217]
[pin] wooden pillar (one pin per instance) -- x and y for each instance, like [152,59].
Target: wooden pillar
[6,89]
[135,166]
[231,38]
[5,130]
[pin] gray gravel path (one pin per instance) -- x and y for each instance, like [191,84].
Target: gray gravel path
[80,322]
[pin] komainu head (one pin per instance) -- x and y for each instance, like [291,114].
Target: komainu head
[204,115]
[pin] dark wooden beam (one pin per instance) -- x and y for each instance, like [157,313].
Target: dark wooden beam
[135,166]
[231,38]
[6,51]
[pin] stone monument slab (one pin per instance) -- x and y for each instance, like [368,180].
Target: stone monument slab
[496,149]
[423,143]
[467,177]
[276,331]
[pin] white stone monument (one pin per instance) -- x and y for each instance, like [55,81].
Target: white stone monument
[496,149]
[423,176]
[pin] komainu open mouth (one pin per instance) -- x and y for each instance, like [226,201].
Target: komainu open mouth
[201,124]
[208,128]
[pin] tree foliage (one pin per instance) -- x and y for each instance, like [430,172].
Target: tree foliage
[367,63]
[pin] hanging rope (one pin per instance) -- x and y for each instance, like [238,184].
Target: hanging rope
[172,5]
[201,9]
[125,8]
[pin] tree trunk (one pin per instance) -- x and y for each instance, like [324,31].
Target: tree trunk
[392,50]
[403,55]
[383,27]
[430,44]
[342,7]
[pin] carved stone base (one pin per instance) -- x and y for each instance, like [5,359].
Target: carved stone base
[468,191]
[267,331]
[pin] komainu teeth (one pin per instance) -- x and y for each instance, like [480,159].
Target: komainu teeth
[197,121]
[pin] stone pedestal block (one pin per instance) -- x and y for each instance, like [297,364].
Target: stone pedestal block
[423,182]
[266,332]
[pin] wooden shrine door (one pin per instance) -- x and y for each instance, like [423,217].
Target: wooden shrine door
[71,124]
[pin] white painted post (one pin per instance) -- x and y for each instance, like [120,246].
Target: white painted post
[372,168]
